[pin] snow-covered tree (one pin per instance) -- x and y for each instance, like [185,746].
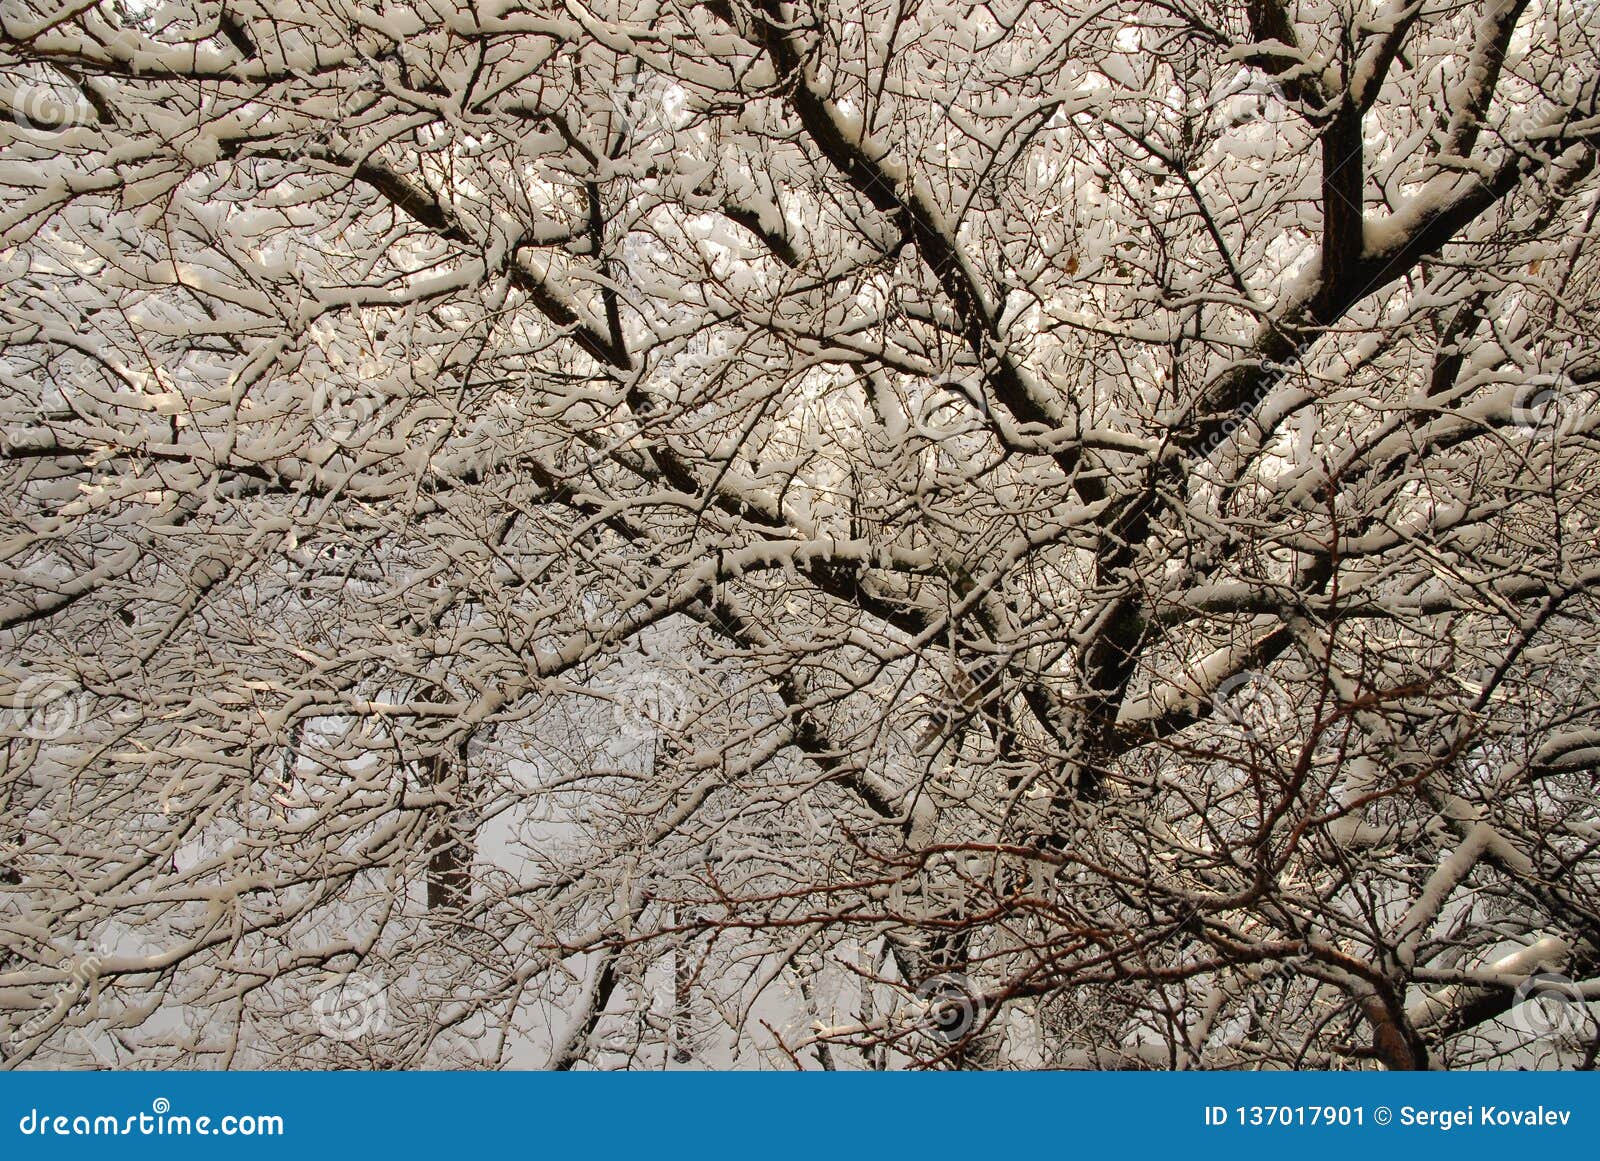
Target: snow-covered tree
[800,535]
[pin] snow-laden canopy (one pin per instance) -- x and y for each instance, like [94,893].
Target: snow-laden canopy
[562,534]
